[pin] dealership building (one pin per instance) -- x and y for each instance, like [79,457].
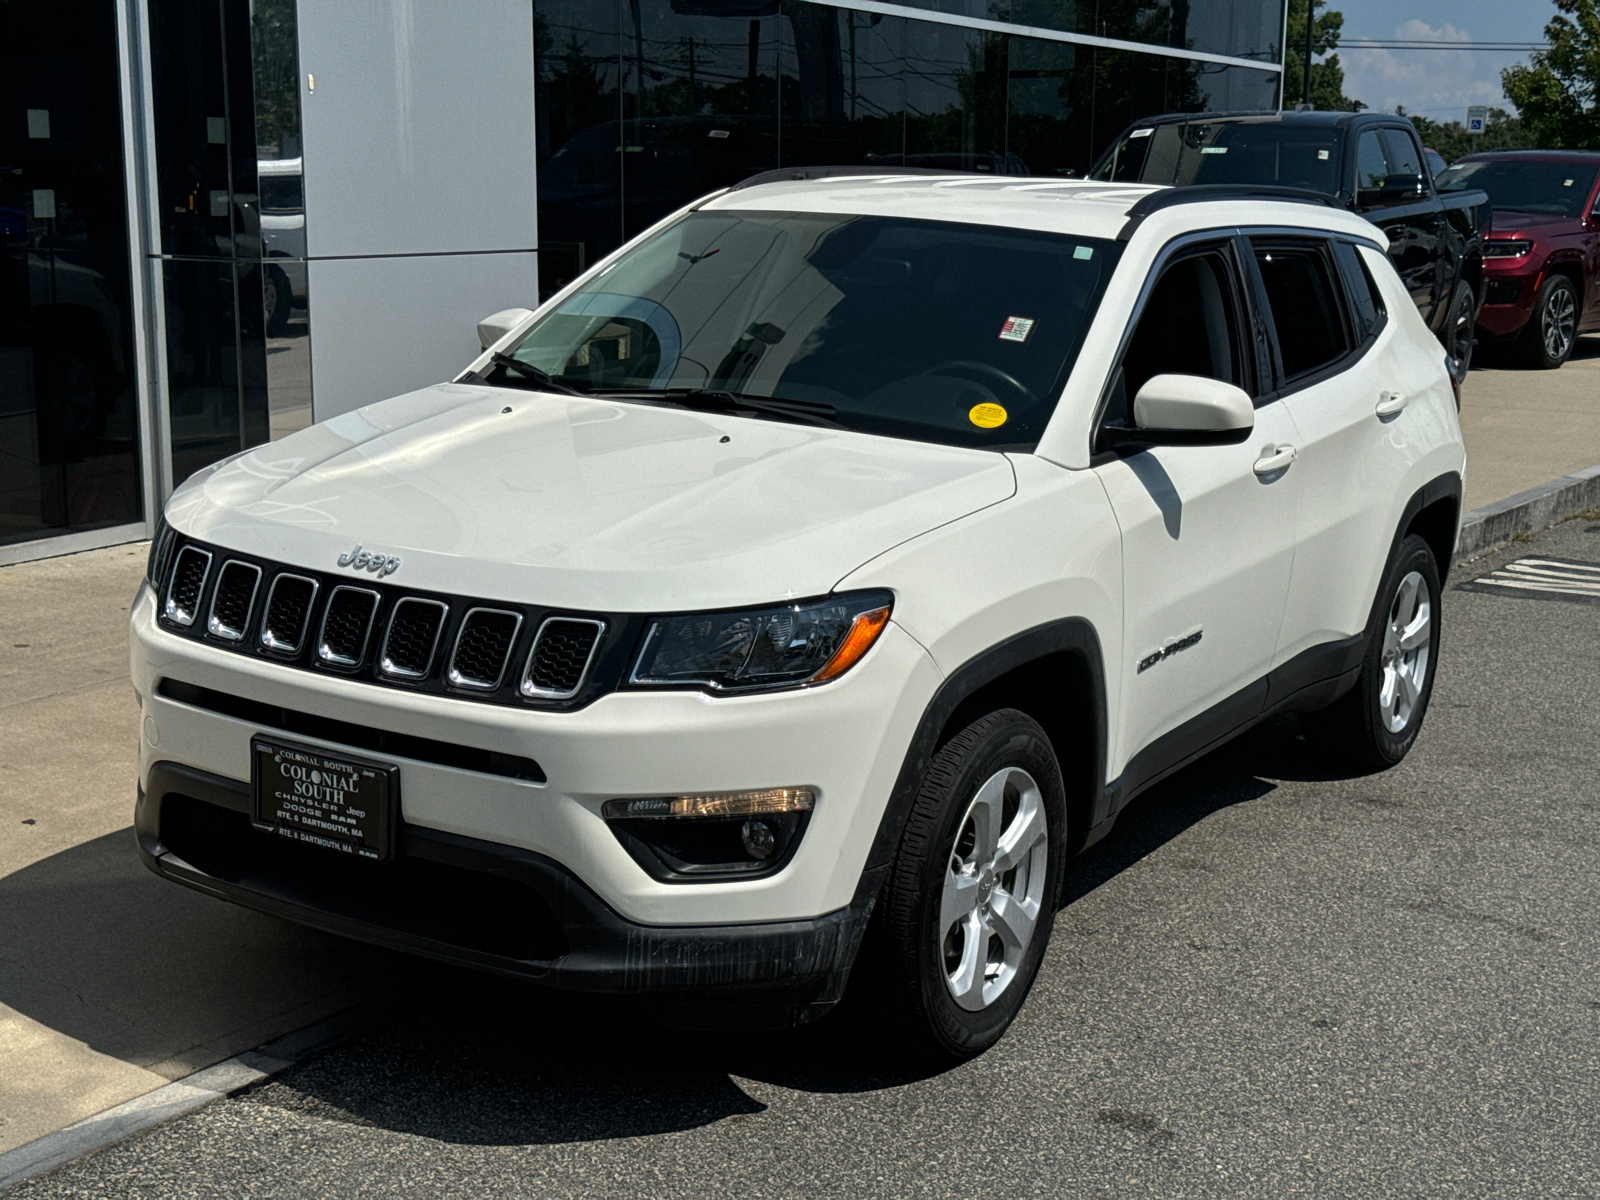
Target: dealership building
[221,220]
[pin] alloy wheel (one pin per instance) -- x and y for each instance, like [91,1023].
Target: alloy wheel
[994,884]
[1558,322]
[1407,646]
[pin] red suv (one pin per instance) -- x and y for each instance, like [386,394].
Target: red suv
[1542,259]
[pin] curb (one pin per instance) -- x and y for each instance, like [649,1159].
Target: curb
[175,1099]
[1538,508]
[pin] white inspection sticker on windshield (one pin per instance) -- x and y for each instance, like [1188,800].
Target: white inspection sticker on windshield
[1016,329]
[1213,149]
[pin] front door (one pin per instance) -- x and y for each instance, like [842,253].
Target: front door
[1207,532]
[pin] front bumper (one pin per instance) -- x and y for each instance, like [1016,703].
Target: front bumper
[1508,294]
[846,740]
[496,908]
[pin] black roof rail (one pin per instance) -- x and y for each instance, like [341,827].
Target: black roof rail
[1199,193]
[801,174]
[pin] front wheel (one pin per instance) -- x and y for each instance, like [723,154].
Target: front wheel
[1547,339]
[1375,724]
[972,892]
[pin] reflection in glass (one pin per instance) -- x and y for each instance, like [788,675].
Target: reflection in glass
[68,427]
[202,363]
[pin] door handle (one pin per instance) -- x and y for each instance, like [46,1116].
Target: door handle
[1274,459]
[1390,403]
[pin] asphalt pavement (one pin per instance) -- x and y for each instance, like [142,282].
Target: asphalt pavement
[1271,980]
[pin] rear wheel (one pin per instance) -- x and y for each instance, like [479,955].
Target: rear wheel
[1459,333]
[1547,339]
[1375,724]
[972,892]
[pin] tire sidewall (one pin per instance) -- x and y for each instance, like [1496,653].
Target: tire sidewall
[1413,554]
[1535,334]
[1461,304]
[1014,740]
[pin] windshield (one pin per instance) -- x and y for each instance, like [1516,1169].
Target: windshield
[942,332]
[1553,188]
[1260,152]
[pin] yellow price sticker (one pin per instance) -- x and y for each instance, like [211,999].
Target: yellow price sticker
[987,416]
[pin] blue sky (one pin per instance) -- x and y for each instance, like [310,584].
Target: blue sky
[1436,83]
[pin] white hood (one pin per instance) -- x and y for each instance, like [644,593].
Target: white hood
[585,504]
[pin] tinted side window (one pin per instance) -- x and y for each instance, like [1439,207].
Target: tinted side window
[1371,170]
[1402,153]
[1190,325]
[1362,289]
[1306,305]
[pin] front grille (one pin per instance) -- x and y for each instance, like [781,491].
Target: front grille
[346,626]
[375,632]
[288,614]
[482,647]
[188,581]
[1502,291]
[414,629]
[560,657]
[234,598]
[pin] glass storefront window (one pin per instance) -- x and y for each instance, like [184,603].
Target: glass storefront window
[69,446]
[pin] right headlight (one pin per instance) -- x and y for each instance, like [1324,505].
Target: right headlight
[783,646]
[1506,248]
[155,568]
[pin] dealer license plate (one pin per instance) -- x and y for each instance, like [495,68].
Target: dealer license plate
[333,801]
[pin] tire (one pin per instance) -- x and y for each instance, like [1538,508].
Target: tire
[942,995]
[1375,724]
[276,300]
[1458,333]
[1547,339]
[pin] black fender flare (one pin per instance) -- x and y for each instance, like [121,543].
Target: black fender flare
[1071,635]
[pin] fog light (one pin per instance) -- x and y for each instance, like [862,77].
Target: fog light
[720,833]
[758,838]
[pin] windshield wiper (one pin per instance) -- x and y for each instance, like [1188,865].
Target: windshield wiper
[543,378]
[720,400]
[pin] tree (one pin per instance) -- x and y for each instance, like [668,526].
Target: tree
[1327,76]
[1501,131]
[1558,93]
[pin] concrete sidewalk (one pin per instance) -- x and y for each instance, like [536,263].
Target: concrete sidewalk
[113,982]
[1525,428]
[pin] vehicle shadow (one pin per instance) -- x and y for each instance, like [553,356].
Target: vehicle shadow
[469,1059]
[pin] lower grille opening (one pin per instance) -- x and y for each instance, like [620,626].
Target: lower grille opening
[345,733]
[472,910]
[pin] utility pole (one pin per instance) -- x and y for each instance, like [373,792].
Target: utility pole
[1311,27]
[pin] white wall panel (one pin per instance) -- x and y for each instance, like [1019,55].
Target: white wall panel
[418,133]
[383,326]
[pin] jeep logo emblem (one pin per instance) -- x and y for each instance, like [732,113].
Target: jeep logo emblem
[360,560]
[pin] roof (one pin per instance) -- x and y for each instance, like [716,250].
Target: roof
[1076,207]
[1569,156]
[1316,119]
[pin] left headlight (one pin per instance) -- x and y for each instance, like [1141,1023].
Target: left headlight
[783,646]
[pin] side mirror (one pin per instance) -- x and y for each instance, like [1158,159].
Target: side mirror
[1189,410]
[1403,189]
[492,329]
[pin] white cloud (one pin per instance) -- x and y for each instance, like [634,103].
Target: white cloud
[1437,83]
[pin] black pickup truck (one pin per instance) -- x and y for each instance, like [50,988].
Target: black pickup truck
[1371,163]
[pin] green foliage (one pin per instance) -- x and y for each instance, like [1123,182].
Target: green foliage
[1558,93]
[1327,76]
[1501,131]
[277,71]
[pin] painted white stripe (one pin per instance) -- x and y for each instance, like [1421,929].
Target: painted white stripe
[1519,572]
[1554,564]
[1541,587]
[1049,35]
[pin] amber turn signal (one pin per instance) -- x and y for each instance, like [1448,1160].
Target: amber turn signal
[863,632]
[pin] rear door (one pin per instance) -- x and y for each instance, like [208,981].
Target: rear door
[1207,541]
[1331,338]
[1414,228]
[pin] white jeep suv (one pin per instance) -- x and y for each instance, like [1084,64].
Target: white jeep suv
[846,550]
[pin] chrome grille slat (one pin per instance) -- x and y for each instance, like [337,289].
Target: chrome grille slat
[188,583]
[412,638]
[347,626]
[233,600]
[560,657]
[290,602]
